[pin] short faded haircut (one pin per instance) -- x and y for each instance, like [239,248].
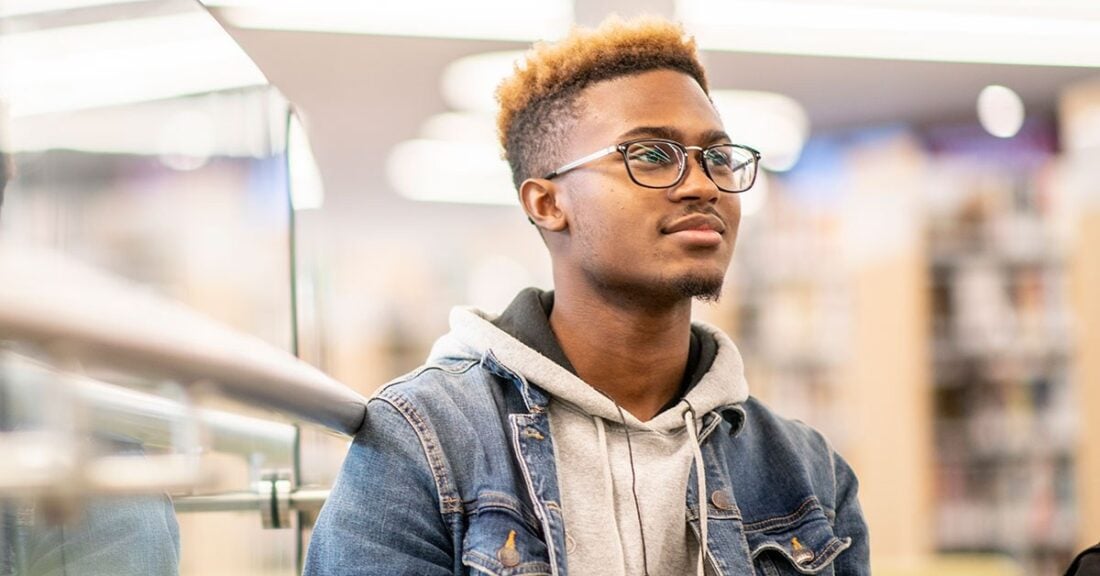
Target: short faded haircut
[538,103]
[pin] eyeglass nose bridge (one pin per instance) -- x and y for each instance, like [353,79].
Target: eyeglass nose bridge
[700,159]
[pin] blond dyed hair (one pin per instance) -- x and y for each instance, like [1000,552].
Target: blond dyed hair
[538,103]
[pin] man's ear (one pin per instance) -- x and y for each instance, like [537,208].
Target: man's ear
[540,201]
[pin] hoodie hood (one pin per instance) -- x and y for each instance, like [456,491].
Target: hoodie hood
[473,335]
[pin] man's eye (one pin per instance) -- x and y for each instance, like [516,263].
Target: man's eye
[650,155]
[718,158]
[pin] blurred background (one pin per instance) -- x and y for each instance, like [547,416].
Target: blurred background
[322,180]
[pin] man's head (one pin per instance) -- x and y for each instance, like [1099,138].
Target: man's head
[576,100]
[538,103]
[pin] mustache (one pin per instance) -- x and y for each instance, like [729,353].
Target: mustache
[691,210]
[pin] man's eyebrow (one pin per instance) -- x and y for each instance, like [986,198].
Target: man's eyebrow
[668,133]
[713,136]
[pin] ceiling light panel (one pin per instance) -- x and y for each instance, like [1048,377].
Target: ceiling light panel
[120,62]
[774,124]
[12,8]
[977,31]
[522,20]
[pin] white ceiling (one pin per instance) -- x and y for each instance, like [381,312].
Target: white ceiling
[362,94]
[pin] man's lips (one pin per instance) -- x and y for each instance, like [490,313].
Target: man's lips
[701,222]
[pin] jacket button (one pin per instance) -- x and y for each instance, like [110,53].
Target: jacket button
[721,500]
[508,555]
[801,554]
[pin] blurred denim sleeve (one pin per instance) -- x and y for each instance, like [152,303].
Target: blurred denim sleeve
[849,523]
[120,536]
[383,514]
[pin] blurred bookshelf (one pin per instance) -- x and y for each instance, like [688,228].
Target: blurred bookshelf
[1005,422]
[794,313]
[831,319]
[934,314]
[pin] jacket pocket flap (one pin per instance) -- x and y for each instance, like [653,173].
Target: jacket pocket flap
[807,543]
[500,539]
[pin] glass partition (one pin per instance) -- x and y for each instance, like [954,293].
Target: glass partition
[142,146]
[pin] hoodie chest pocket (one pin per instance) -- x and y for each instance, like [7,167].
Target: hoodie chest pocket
[503,540]
[799,544]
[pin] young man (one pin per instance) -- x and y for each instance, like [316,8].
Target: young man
[595,429]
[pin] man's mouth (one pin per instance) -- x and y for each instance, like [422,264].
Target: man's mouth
[697,230]
[696,222]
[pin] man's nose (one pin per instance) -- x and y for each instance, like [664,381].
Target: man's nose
[695,184]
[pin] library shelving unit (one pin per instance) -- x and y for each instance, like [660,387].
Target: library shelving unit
[937,318]
[832,320]
[1005,421]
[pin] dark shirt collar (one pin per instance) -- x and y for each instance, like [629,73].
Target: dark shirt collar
[527,319]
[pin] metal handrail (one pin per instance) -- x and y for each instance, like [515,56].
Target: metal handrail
[149,419]
[85,316]
[67,434]
[300,499]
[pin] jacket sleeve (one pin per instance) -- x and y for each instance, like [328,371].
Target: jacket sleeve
[849,523]
[383,515]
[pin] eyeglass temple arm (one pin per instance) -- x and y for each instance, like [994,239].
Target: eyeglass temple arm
[585,160]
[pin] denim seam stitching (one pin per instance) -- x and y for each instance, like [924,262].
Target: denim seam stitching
[495,501]
[783,521]
[825,556]
[449,502]
[831,551]
[459,368]
[540,511]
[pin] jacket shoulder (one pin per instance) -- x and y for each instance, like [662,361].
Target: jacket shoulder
[785,455]
[437,385]
[764,424]
[451,403]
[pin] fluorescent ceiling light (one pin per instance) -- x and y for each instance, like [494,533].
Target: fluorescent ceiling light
[774,124]
[1000,111]
[457,160]
[9,8]
[470,83]
[522,20]
[120,62]
[228,124]
[448,171]
[1055,33]
[460,127]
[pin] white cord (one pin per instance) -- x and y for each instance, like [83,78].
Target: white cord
[701,485]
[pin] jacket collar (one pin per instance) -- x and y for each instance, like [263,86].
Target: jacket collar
[536,399]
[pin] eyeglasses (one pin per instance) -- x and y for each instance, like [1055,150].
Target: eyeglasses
[660,163]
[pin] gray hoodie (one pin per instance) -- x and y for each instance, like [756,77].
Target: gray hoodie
[614,469]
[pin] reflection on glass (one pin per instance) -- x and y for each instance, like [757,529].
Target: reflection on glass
[140,140]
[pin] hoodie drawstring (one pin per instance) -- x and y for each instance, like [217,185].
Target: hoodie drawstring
[609,486]
[700,479]
[701,484]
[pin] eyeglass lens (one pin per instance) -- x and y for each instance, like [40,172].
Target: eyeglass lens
[660,164]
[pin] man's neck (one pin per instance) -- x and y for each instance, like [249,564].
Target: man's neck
[635,353]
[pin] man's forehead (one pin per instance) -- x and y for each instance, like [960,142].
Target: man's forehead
[659,103]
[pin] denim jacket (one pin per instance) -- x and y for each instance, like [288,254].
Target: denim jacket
[453,472]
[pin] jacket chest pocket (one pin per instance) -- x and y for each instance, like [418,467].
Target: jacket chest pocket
[801,543]
[502,539]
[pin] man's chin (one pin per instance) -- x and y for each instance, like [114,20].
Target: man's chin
[706,289]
